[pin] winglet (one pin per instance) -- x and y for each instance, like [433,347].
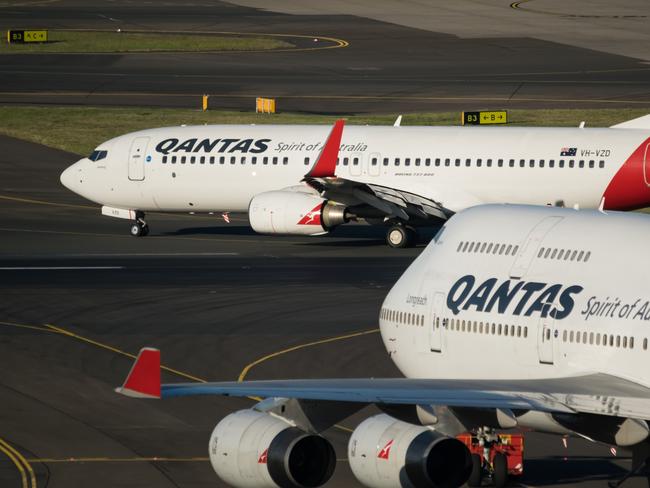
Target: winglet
[143,380]
[326,163]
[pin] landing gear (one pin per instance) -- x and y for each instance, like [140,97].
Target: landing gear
[496,458]
[399,236]
[139,227]
[640,465]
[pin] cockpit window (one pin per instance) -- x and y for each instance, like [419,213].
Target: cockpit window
[97,155]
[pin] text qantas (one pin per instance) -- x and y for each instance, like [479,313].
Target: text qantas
[253,146]
[512,296]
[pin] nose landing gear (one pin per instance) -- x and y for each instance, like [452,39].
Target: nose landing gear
[139,227]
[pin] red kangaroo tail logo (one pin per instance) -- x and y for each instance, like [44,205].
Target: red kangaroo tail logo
[263,457]
[313,217]
[385,452]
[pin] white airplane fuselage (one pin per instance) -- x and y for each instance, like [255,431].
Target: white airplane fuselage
[514,309]
[221,168]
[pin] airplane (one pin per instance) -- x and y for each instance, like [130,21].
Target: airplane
[297,179]
[526,317]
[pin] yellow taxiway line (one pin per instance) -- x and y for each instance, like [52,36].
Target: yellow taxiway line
[27,476]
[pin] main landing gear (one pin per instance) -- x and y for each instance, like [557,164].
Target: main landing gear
[400,235]
[139,227]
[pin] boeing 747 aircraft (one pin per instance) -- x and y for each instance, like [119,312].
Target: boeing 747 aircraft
[297,180]
[561,297]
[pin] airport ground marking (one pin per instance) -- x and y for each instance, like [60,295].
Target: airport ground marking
[27,476]
[102,459]
[351,98]
[297,347]
[107,347]
[337,43]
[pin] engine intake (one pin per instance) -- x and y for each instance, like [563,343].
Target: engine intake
[385,452]
[250,449]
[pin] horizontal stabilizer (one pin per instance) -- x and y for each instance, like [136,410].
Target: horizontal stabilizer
[638,123]
[143,380]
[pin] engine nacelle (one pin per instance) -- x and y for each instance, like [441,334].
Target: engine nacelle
[294,212]
[250,449]
[385,452]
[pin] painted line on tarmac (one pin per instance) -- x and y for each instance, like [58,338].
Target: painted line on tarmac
[154,459]
[350,98]
[43,202]
[58,268]
[27,476]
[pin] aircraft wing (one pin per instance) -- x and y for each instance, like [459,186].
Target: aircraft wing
[594,393]
[389,201]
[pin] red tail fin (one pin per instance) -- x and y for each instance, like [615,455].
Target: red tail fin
[325,165]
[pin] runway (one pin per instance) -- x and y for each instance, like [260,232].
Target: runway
[386,67]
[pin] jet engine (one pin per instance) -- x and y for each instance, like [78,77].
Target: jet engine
[385,452]
[250,449]
[294,212]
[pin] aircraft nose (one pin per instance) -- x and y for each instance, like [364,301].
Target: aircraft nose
[70,177]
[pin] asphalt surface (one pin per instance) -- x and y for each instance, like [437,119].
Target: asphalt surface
[386,67]
[79,294]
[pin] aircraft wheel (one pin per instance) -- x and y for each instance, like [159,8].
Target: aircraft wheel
[476,475]
[138,230]
[500,474]
[397,236]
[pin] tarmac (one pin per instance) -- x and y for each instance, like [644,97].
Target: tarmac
[422,57]
[80,297]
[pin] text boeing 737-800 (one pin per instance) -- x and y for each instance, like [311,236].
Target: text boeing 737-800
[299,180]
[513,317]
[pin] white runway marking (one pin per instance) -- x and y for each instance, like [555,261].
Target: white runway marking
[57,268]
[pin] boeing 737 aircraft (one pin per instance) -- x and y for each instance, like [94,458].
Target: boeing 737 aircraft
[290,181]
[562,298]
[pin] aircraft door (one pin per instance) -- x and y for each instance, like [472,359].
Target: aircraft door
[356,160]
[545,338]
[373,164]
[436,322]
[528,250]
[136,158]
[646,165]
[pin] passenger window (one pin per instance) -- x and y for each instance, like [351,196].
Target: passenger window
[355,161]
[483,247]
[478,162]
[489,248]
[468,162]
[285,160]
[222,160]
[437,161]
[553,253]
[457,162]
[573,255]
[548,251]
[202,160]
[407,162]
[631,342]
[508,249]
[571,163]
[541,163]
[592,163]
[601,164]
[233,159]
[385,161]
[183,158]
[511,163]
[580,255]
[489,163]
[427,162]
[192,159]
[173,159]
[500,163]
[396,161]
[447,161]
[243,160]
[525,332]
[564,335]
[460,245]
[541,251]
[559,256]
[532,163]
[571,336]
[522,163]
[275,160]
[373,161]
[254,160]
[645,344]
[307,161]
[346,161]
[212,159]
[581,164]
[164,159]
[551,163]
[514,251]
[587,256]
[561,163]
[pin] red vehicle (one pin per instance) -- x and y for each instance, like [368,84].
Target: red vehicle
[496,457]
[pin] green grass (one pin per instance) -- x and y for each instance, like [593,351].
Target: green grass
[81,129]
[121,42]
